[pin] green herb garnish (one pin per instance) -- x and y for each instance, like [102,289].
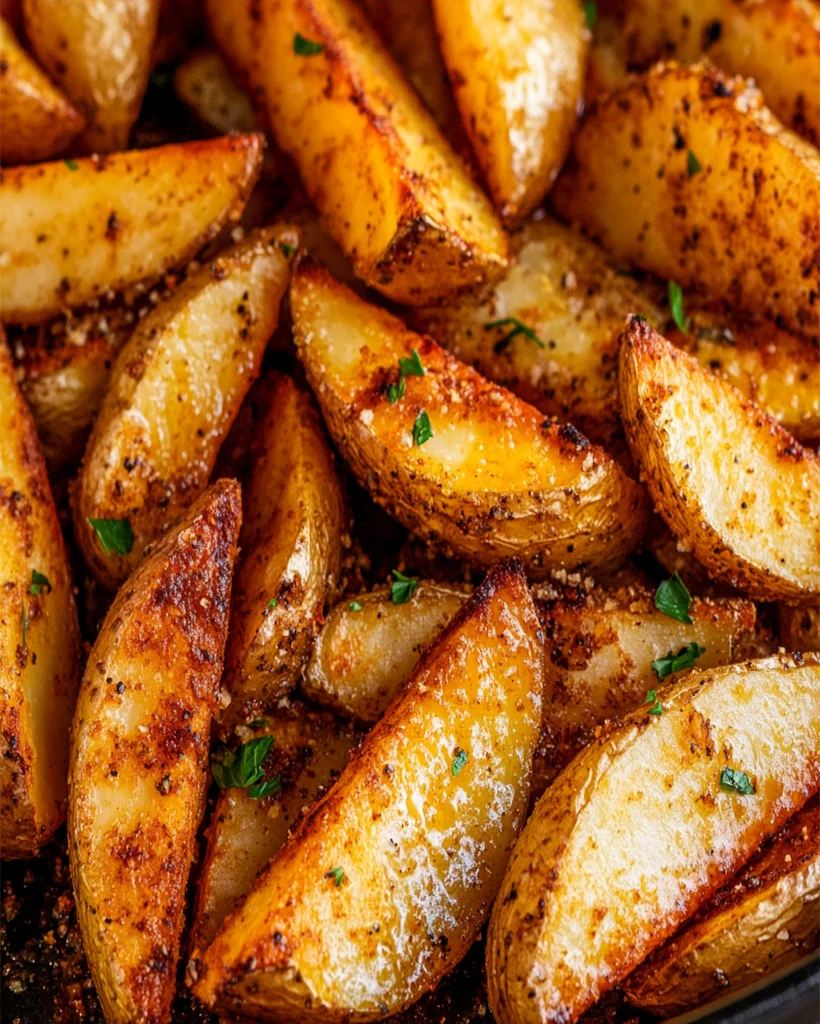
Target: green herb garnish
[407,368]
[459,761]
[517,328]
[685,658]
[590,15]
[273,602]
[287,250]
[692,164]
[354,606]
[38,581]
[115,535]
[265,788]
[733,780]
[421,429]
[306,47]
[72,165]
[402,587]
[258,723]
[653,699]
[337,874]
[240,768]
[676,305]
[673,599]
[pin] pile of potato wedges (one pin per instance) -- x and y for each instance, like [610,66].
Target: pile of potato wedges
[410,500]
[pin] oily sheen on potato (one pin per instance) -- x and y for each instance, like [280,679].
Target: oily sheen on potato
[382,890]
[744,495]
[39,635]
[643,826]
[139,758]
[461,462]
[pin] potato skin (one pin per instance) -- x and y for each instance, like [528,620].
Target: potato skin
[38,122]
[746,496]
[99,53]
[763,920]
[636,832]
[518,73]
[39,636]
[139,766]
[758,185]
[496,479]
[422,845]
[150,455]
[73,233]
[294,523]
[373,161]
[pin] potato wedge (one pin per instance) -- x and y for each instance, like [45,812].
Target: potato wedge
[369,646]
[204,83]
[518,72]
[745,496]
[775,42]
[75,230]
[637,831]
[38,122]
[389,187]
[757,185]
[763,920]
[292,542]
[310,750]
[39,635]
[493,479]
[174,392]
[799,626]
[574,298]
[99,54]
[139,766]
[412,840]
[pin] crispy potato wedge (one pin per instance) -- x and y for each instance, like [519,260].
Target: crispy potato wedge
[174,392]
[637,832]
[775,42]
[763,920]
[310,751]
[390,189]
[494,478]
[294,523]
[574,298]
[518,72]
[413,837]
[99,54]
[204,83]
[600,653]
[38,122]
[39,635]
[745,496]
[799,626]
[758,185]
[369,646]
[75,230]
[139,766]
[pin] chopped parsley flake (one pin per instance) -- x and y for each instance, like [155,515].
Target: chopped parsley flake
[287,250]
[273,602]
[115,535]
[407,368]
[590,15]
[38,581]
[422,430]
[692,164]
[517,327]
[72,165]
[685,658]
[337,874]
[676,305]
[733,780]
[354,606]
[242,768]
[306,47]
[673,599]
[653,699]
[459,761]
[401,590]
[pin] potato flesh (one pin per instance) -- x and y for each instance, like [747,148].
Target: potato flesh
[494,479]
[362,657]
[140,757]
[39,636]
[147,468]
[292,535]
[636,832]
[406,835]
[73,235]
[518,72]
[745,497]
[758,184]
[390,190]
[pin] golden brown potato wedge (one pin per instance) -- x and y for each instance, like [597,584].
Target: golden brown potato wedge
[139,766]
[99,53]
[204,83]
[518,72]
[384,887]
[389,187]
[643,826]
[744,495]
[310,750]
[799,626]
[574,299]
[741,223]
[775,42]
[369,646]
[763,920]
[294,523]
[173,394]
[600,654]
[38,122]
[491,477]
[74,230]
[39,635]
